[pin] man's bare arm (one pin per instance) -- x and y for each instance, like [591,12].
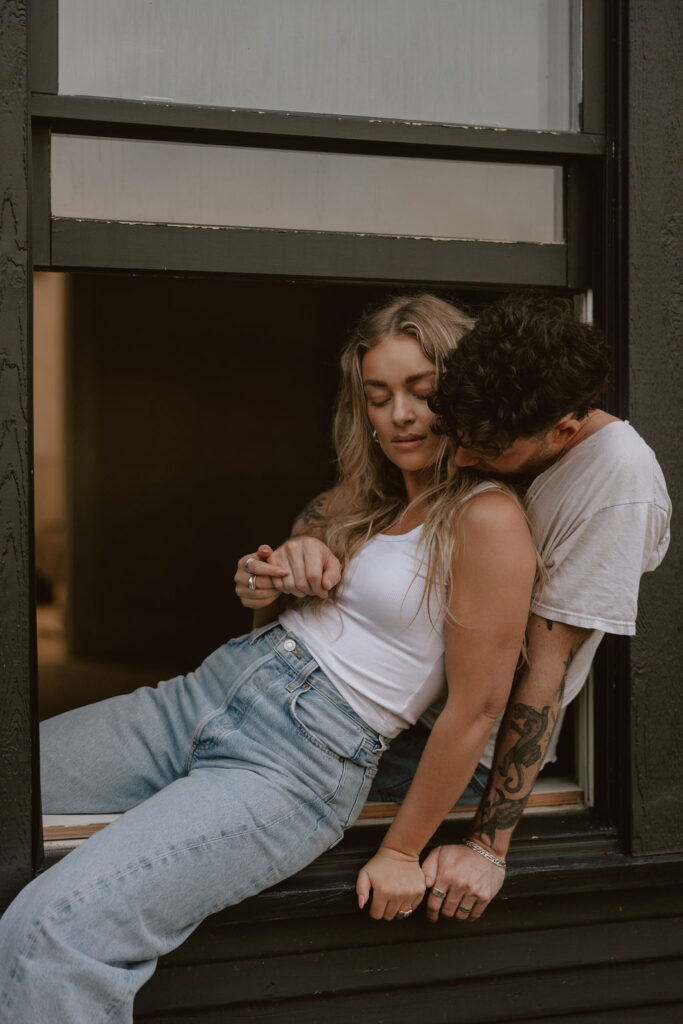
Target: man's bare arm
[526,731]
[523,738]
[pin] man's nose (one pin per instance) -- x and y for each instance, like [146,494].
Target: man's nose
[464,457]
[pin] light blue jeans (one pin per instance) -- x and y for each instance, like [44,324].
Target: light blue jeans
[231,778]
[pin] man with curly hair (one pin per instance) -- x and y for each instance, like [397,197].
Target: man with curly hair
[520,398]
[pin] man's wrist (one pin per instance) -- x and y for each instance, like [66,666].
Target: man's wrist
[479,848]
[491,839]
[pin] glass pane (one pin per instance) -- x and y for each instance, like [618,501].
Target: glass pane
[514,63]
[131,180]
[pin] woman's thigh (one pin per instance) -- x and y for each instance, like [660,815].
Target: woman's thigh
[140,886]
[111,755]
[275,776]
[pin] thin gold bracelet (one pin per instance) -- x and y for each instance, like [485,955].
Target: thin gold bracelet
[484,853]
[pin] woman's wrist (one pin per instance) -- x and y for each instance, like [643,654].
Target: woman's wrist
[397,853]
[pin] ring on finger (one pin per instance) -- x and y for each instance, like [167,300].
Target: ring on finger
[439,893]
[403,913]
[246,564]
[465,910]
[251,582]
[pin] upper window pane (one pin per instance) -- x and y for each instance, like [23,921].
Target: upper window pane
[509,63]
[170,182]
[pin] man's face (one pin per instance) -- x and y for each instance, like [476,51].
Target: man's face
[525,458]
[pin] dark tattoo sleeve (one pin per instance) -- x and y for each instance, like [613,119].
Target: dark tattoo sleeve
[516,771]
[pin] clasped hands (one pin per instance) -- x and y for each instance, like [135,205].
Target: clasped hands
[302,566]
[461,883]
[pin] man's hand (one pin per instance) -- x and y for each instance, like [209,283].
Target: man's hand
[397,883]
[469,881]
[311,568]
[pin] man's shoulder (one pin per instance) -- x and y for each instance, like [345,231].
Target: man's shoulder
[614,464]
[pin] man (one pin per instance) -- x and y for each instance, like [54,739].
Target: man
[519,397]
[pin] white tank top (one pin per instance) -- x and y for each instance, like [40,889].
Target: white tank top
[377,644]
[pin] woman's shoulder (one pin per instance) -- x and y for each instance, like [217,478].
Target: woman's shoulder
[489,511]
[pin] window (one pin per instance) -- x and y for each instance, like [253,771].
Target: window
[415,187]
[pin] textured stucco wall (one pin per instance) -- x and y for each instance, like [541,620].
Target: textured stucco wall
[655,154]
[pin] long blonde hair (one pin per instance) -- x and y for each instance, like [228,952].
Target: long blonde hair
[371,487]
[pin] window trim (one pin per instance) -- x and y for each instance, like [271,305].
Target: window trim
[604,165]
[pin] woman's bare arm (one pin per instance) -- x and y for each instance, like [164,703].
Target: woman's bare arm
[521,745]
[494,569]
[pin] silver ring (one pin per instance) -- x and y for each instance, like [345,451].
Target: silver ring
[465,910]
[251,582]
[439,893]
[246,564]
[403,913]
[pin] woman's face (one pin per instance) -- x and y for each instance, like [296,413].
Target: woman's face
[398,378]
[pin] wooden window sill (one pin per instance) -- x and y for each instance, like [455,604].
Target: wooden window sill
[64,831]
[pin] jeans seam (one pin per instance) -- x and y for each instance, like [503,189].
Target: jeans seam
[55,907]
[223,706]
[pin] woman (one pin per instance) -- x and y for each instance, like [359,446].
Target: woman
[242,772]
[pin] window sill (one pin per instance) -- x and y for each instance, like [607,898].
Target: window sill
[62,832]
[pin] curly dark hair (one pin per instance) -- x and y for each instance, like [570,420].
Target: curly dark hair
[526,363]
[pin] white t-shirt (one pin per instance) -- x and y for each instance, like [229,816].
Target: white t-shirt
[600,517]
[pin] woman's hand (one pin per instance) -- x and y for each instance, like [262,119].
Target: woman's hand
[302,567]
[397,883]
[254,567]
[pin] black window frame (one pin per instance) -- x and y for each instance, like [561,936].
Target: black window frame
[556,849]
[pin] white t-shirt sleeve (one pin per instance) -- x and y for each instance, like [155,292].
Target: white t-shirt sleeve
[594,572]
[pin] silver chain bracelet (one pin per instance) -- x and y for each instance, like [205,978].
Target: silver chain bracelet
[484,853]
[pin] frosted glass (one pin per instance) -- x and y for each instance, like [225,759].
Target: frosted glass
[132,180]
[513,63]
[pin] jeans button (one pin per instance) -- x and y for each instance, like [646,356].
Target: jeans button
[289,645]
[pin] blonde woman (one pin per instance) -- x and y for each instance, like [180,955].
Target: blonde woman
[239,774]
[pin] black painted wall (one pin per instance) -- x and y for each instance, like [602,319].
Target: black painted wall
[655,348]
[17,678]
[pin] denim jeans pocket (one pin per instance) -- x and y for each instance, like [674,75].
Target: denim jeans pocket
[326,725]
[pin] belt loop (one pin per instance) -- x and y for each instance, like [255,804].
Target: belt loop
[301,680]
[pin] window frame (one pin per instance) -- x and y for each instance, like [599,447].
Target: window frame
[596,157]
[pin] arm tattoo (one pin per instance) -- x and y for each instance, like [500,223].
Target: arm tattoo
[498,812]
[312,514]
[527,750]
[499,809]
